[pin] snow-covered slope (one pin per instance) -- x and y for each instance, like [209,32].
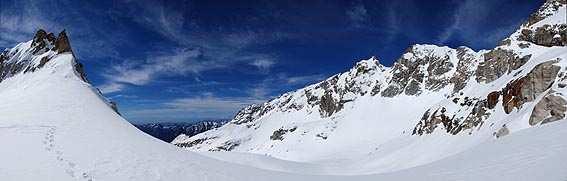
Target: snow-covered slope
[55,126]
[434,102]
[365,124]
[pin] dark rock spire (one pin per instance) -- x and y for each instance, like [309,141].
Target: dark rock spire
[62,43]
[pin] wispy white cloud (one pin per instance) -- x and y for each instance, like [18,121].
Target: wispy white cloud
[358,15]
[159,18]
[264,89]
[392,18]
[207,106]
[18,23]
[178,62]
[263,65]
[124,96]
[468,23]
[260,92]
[461,13]
[199,104]
[20,19]
[111,87]
[218,50]
[241,39]
[304,79]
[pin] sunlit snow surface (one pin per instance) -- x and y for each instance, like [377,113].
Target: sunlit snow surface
[54,126]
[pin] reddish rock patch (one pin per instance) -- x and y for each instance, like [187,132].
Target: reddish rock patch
[493,99]
[512,95]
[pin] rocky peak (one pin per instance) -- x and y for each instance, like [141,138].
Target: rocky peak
[326,97]
[365,66]
[465,68]
[62,43]
[546,10]
[547,26]
[428,67]
[31,56]
[42,36]
[42,41]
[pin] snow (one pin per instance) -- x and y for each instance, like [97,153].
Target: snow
[555,17]
[531,154]
[89,141]
[55,126]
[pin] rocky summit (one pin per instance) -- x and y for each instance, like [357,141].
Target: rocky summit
[42,49]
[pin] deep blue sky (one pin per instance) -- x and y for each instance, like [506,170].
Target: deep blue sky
[188,60]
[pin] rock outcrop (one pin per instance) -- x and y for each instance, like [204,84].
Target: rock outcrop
[279,134]
[547,35]
[247,114]
[429,122]
[502,132]
[529,87]
[544,11]
[428,67]
[551,107]
[62,44]
[497,63]
[514,95]
[465,68]
[544,33]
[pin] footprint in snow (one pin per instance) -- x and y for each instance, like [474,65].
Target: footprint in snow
[71,168]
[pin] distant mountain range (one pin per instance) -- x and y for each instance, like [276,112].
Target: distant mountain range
[167,131]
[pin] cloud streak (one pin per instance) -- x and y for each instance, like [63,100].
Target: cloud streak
[460,15]
[263,65]
[468,21]
[180,62]
[216,50]
[208,106]
[358,15]
[17,24]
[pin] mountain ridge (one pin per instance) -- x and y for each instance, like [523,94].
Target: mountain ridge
[167,131]
[428,89]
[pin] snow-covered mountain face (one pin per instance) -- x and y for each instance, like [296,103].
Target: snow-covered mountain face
[432,103]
